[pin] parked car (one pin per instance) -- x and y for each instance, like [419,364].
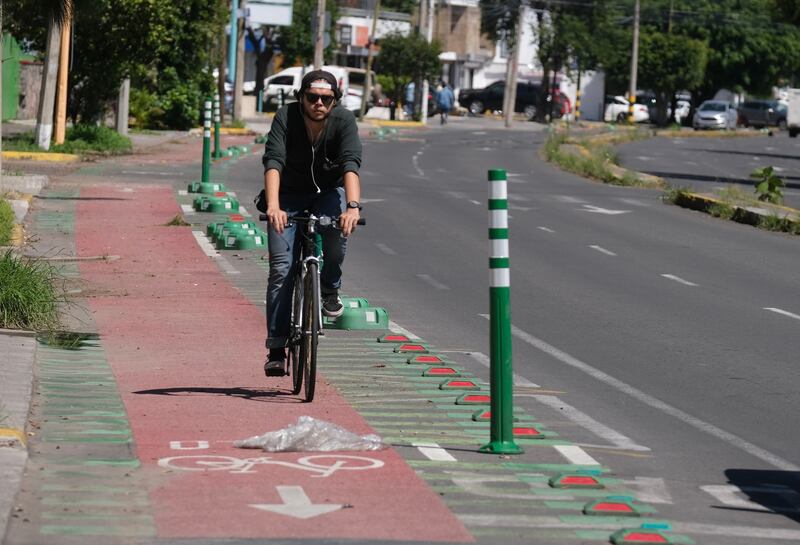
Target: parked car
[490,98]
[351,83]
[715,114]
[762,113]
[617,110]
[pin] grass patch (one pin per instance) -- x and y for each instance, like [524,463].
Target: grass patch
[29,293]
[594,157]
[6,222]
[235,124]
[66,340]
[779,224]
[177,221]
[80,139]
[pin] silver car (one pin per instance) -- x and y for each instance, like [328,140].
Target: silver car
[715,114]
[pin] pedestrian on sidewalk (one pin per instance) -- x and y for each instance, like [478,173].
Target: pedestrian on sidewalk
[445,100]
[311,162]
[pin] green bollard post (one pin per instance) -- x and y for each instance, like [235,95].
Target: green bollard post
[217,148]
[206,142]
[501,373]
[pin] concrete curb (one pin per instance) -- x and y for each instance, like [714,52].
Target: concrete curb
[28,186]
[16,389]
[750,215]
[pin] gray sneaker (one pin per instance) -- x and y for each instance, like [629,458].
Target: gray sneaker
[332,306]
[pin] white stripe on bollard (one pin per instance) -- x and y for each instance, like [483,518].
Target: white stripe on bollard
[499,247]
[500,278]
[498,219]
[497,190]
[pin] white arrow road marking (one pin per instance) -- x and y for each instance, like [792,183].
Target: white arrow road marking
[679,280]
[297,504]
[545,229]
[598,210]
[784,312]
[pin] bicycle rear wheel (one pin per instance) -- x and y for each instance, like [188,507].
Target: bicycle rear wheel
[308,347]
[293,348]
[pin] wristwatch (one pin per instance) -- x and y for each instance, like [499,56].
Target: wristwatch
[354,204]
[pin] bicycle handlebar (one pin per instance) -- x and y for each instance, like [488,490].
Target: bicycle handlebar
[321,220]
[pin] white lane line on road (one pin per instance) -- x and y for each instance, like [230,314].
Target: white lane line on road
[187,209]
[211,252]
[396,328]
[545,229]
[634,202]
[483,359]
[614,437]
[385,249]
[568,199]
[473,201]
[433,451]
[415,162]
[679,280]
[602,250]
[655,403]
[782,312]
[576,455]
[243,211]
[428,279]
[182,192]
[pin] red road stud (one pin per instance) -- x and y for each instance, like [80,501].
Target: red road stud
[484,415]
[236,217]
[405,348]
[474,399]
[458,385]
[393,339]
[440,371]
[610,508]
[220,194]
[568,480]
[424,359]
[635,535]
[528,432]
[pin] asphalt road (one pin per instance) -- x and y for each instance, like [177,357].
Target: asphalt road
[708,163]
[667,339]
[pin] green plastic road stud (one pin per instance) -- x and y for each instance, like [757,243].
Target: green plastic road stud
[251,241]
[217,149]
[441,371]
[393,338]
[473,398]
[362,318]
[638,536]
[611,508]
[260,140]
[411,348]
[501,363]
[354,302]
[576,480]
[425,359]
[458,384]
[207,141]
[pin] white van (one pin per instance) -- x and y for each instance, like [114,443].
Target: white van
[351,83]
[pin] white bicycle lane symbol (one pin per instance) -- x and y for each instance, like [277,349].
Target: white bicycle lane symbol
[324,465]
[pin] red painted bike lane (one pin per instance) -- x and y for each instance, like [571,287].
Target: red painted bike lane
[187,352]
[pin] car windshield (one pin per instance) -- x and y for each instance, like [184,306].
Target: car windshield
[712,107]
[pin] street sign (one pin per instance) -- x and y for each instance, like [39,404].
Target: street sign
[270,12]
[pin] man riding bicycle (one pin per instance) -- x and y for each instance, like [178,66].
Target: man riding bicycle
[311,162]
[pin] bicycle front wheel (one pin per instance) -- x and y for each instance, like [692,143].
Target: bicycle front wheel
[311,313]
[293,348]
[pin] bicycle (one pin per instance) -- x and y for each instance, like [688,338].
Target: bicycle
[306,318]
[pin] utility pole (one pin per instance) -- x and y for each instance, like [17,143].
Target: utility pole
[368,82]
[238,82]
[319,43]
[429,39]
[510,98]
[47,93]
[123,103]
[63,74]
[634,63]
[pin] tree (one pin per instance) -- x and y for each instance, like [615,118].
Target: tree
[669,63]
[407,58]
[296,42]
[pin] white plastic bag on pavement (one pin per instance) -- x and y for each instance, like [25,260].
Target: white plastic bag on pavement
[311,435]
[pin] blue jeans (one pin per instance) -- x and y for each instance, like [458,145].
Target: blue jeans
[283,252]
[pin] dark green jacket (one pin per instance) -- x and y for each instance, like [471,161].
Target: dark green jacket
[289,150]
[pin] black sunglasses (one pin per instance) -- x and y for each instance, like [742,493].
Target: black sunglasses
[312,98]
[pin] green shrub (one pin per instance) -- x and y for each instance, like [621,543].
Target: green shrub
[768,185]
[6,222]
[722,210]
[82,138]
[29,294]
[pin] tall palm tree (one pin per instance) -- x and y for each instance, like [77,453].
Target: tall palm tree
[57,12]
